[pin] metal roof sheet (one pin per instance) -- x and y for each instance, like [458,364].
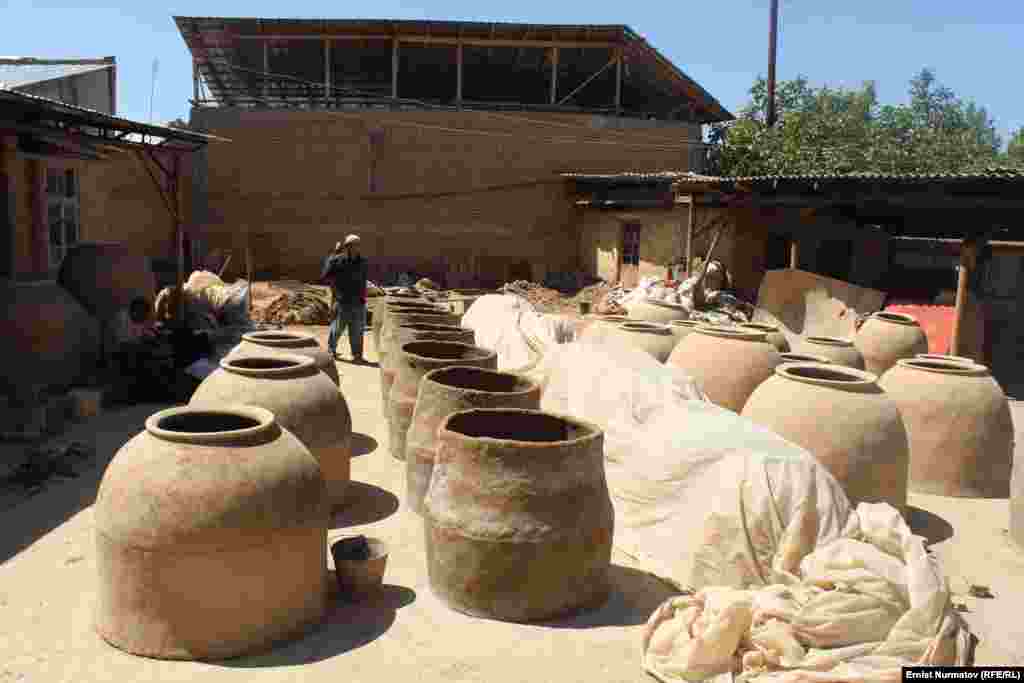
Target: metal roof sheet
[18,73]
[993,173]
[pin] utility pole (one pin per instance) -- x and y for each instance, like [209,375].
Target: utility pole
[773,40]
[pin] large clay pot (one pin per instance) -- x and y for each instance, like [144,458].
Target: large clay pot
[411,332]
[270,341]
[106,277]
[727,363]
[654,339]
[405,315]
[794,357]
[842,417]
[838,351]
[656,311]
[519,521]
[385,304]
[414,360]
[47,340]
[302,398]
[945,357]
[211,536]
[771,332]
[682,328]
[446,391]
[958,420]
[1017,503]
[886,337]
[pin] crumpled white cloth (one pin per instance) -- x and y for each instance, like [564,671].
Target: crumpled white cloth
[857,609]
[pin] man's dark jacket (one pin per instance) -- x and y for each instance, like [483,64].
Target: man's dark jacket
[347,276]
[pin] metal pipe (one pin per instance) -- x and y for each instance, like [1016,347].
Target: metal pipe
[773,40]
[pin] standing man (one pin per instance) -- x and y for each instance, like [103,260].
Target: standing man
[346,271]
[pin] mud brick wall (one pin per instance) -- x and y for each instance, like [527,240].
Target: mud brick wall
[472,195]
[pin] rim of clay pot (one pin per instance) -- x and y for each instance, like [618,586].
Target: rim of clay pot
[431,327]
[432,350]
[731,333]
[943,367]
[473,380]
[608,318]
[278,338]
[791,357]
[826,374]
[210,425]
[277,365]
[896,318]
[829,341]
[645,327]
[763,327]
[515,421]
[946,357]
[378,548]
[684,323]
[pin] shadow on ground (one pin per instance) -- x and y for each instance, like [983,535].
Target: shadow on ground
[346,627]
[634,597]
[363,444]
[364,504]
[61,499]
[933,528]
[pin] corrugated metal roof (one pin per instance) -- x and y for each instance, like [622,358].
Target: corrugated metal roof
[994,173]
[20,72]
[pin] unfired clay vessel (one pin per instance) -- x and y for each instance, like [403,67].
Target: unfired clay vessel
[384,304]
[654,339]
[838,351]
[681,328]
[519,521]
[1017,504]
[303,400]
[410,332]
[211,536]
[794,357]
[885,338]
[656,312]
[727,363]
[945,357]
[842,417]
[398,317]
[958,421]
[106,276]
[46,338]
[269,341]
[414,360]
[772,332]
[446,391]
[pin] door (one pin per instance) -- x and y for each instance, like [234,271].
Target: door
[629,270]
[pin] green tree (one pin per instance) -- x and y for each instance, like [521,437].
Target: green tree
[1015,149]
[843,130]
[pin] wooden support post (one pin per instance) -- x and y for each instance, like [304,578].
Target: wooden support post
[195,80]
[689,237]
[554,75]
[794,253]
[266,68]
[327,73]
[458,74]
[249,267]
[394,68]
[968,261]
[618,83]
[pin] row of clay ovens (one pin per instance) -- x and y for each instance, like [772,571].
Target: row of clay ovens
[879,411]
[212,523]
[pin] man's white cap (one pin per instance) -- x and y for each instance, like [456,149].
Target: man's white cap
[351,239]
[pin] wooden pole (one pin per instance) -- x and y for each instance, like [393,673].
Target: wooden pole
[266,68]
[773,39]
[327,72]
[618,83]
[968,260]
[554,74]
[394,68]
[458,74]
[689,238]
[794,253]
[249,268]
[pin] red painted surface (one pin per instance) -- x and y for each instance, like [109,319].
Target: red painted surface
[936,321]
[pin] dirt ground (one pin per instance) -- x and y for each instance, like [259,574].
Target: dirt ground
[47,574]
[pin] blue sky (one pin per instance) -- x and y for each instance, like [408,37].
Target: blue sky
[975,47]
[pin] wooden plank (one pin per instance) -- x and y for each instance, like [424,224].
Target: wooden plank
[394,68]
[554,74]
[618,83]
[794,253]
[968,261]
[458,74]
[327,69]
[437,40]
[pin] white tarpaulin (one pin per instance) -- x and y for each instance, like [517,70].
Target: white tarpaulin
[510,326]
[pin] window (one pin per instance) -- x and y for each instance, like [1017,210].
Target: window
[61,212]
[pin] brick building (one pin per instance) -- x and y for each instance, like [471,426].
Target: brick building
[442,143]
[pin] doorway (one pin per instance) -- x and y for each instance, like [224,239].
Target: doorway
[629,268]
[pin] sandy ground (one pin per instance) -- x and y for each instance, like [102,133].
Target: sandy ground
[48,568]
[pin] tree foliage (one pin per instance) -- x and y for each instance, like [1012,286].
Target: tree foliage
[845,130]
[1015,150]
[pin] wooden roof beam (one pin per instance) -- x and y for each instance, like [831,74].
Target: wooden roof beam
[439,40]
